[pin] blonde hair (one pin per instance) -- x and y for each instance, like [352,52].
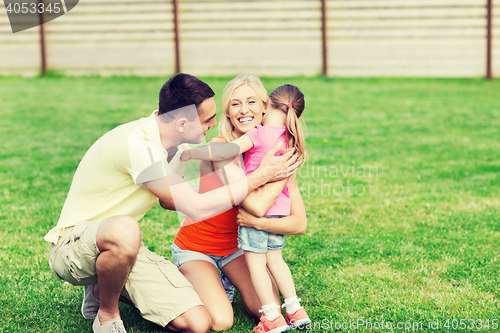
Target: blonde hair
[225,127]
[289,99]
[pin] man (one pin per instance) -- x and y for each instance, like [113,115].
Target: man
[97,240]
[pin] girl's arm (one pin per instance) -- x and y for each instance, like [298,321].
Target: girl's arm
[295,224]
[207,167]
[219,151]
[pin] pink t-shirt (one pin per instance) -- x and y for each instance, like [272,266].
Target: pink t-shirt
[264,138]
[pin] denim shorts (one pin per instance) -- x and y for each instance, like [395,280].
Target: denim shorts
[180,256]
[259,241]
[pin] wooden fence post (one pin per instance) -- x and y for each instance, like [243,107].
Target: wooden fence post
[42,43]
[176,36]
[489,36]
[324,37]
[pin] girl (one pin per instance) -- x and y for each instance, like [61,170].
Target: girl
[281,124]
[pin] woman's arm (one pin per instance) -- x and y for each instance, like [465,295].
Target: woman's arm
[259,201]
[295,224]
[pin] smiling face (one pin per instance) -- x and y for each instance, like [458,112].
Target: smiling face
[245,109]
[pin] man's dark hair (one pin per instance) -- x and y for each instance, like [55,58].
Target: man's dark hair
[182,90]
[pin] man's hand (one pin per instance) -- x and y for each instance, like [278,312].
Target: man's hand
[276,168]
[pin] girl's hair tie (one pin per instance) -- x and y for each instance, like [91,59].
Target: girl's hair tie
[289,105]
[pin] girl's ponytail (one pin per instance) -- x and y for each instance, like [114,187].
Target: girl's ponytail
[290,100]
[295,134]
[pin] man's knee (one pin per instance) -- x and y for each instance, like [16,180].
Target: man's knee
[130,235]
[194,320]
[121,233]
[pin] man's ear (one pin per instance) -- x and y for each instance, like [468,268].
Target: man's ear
[180,124]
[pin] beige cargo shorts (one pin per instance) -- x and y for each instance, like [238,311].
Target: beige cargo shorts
[155,286]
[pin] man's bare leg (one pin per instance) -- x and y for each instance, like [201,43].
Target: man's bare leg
[195,320]
[123,299]
[118,239]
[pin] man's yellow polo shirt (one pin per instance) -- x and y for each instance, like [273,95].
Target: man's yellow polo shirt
[105,182]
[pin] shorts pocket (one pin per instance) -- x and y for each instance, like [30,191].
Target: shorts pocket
[169,270]
[73,259]
[53,263]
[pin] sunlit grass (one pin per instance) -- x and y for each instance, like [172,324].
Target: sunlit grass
[412,236]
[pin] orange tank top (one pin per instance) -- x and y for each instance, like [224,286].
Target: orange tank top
[217,235]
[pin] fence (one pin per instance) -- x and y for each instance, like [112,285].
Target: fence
[433,38]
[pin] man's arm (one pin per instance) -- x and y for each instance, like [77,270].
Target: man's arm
[167,203]
[175,193]
[295,224]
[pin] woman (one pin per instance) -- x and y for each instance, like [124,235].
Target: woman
[199,248]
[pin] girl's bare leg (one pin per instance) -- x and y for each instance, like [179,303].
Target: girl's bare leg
[237,272]
[281,273]
[257,264]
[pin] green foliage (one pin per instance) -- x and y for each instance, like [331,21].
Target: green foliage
[402,193]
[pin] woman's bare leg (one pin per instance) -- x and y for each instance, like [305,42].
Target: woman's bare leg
[206,282]
[237,272]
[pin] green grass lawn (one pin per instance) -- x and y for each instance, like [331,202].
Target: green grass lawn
[402,193]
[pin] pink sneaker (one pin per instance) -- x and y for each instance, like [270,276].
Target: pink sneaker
[298,320]
[277,325]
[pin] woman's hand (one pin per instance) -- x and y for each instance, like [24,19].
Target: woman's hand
[294,224]
[245,219]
